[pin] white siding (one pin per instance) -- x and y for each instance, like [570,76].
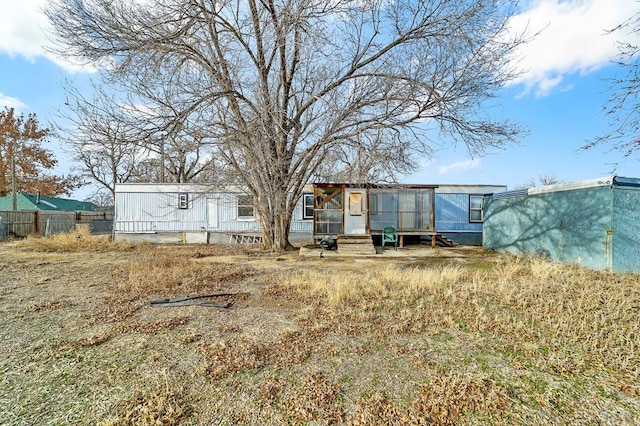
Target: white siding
[147,208]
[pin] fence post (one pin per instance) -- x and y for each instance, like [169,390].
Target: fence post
[37,221]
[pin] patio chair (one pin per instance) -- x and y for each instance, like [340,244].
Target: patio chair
[390,235]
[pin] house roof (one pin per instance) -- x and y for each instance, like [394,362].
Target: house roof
[372,185]
[43,202]
[609,181]
[606,181]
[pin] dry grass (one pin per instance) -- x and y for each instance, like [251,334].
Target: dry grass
[512,341]
[74,241]
[530,298]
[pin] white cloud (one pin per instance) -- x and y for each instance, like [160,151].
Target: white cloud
[23,26]
[459,165]
[572,39]
[11,102]
[23,32]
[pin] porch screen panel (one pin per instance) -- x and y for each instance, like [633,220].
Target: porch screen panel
[426,210]
[407,211]
[383,209]
[328,211]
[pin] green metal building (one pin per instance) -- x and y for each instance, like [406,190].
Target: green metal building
[42,202]
[594,223]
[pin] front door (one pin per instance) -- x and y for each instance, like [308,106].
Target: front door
[355,211]
[212,213]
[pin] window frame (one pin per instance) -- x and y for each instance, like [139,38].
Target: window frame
[306,206]
[245,201]
[472,209]
[183,200]
[355,204]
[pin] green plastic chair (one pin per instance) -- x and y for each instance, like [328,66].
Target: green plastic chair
[390,235]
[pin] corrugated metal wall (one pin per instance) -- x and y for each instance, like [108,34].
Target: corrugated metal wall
[158,212]
[298,224]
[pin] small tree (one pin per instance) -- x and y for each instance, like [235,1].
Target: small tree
[20,141]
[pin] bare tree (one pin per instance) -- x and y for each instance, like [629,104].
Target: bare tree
[114,143]
[280,86]
[368,157]
[100,138]
[102,198]
[543,180]
[623,106]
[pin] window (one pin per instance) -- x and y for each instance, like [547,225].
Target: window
[355,204]
[476,203]
[183,201]
[245,206]
[307,206]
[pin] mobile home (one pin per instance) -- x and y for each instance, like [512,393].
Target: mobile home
[444,214]
[195,213]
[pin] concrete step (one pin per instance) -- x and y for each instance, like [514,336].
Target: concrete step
[354,242]
[358,240]
[355,246]
[370,250]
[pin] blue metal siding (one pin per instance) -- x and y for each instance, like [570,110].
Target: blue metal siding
[452,213]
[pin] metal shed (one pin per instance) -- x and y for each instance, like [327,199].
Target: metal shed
[594,223]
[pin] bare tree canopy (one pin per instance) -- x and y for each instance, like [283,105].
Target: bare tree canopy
[623,106]
[100,139]
[113,142]
[279,87]
[543,180]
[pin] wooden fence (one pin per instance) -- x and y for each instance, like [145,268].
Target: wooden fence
[19,224]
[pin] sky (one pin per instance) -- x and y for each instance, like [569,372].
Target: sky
[558,98]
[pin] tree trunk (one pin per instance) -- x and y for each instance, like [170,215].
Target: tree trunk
[275,219]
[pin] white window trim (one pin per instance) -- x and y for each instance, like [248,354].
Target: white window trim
[183,200]
[305,205]
[251,218]
[481,209]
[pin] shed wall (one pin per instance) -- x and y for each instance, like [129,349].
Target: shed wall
[626,233]
[565,226]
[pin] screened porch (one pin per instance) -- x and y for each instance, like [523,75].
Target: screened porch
[409,210]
